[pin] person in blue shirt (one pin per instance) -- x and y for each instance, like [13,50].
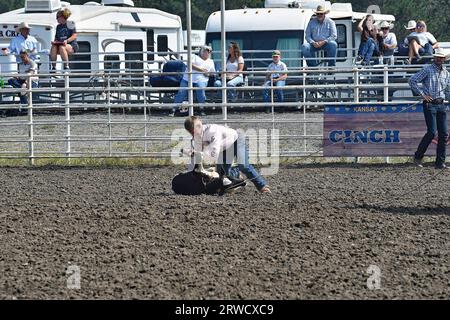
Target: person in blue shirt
[435,89]
[320,34]
[65,42]
[23,42]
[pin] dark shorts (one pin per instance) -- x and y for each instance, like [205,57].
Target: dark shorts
[75,46]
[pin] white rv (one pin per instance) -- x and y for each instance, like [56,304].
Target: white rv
[112,34]
[281,24]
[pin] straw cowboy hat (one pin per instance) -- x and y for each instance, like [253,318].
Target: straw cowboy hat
[321,9]
[385,24]
[22,25]
[411,25]
[440,53]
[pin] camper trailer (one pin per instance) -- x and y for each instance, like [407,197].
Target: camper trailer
[112,34]
[281,25]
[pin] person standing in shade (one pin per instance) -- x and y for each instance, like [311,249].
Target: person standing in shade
[435,88]
[277,79]
[320,34]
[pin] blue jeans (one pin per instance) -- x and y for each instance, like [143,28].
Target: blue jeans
[182,93]
[435,118]
[239,150]
[330,49]
[17,83]
[426,50]
[367,50]
[232,83]
[278,92]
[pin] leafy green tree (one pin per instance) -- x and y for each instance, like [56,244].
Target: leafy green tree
[436,13]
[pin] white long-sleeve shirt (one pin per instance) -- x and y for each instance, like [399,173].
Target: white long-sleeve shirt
[216,139]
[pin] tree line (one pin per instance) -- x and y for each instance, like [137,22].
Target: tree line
[436,13]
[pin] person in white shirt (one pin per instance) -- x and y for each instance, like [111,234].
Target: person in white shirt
[389,43]
[234,68]
[277,79]
[202,67]
[23,42]
[421,43]
[221,145]
[26,67]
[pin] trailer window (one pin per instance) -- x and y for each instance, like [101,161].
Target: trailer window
[341,42]
[81,60]
[150,44]
[258,46]
[133,54]
[112,63]
[163,45]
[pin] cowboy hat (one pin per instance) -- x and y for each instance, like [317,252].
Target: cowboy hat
[206,47]
[411,25]
[321,9]
[385,24]
[22,25]
[440,53]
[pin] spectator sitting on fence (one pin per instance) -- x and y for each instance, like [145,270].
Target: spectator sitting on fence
[403,48]
[23,42]
[421,43]
[65,42]
[234,68]
[26,67]
[370,40]
[389,43]
[202,67]
[275,79]
[321,34]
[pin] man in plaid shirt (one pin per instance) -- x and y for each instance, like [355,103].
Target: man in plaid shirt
[435,88]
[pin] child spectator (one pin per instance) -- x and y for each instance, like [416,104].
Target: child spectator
[278,79]
[26,67]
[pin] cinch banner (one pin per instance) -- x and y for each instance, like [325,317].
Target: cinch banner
[358,131]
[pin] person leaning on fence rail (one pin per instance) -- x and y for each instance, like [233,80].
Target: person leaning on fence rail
[435,89]
[370,40]
[221,145]
[389,43]
[420,43]
[320,34]
[275,79]
[234,68]
[65,42]
[26,67]
[23,42]
[202,67]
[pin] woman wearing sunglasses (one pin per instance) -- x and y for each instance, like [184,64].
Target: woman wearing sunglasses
[421,43]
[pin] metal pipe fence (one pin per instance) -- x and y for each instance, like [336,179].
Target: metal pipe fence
[122,115]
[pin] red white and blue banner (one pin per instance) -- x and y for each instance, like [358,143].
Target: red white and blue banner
[374,130]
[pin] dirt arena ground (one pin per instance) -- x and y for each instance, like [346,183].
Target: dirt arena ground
[315,237]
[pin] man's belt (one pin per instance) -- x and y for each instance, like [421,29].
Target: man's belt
[437,101]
